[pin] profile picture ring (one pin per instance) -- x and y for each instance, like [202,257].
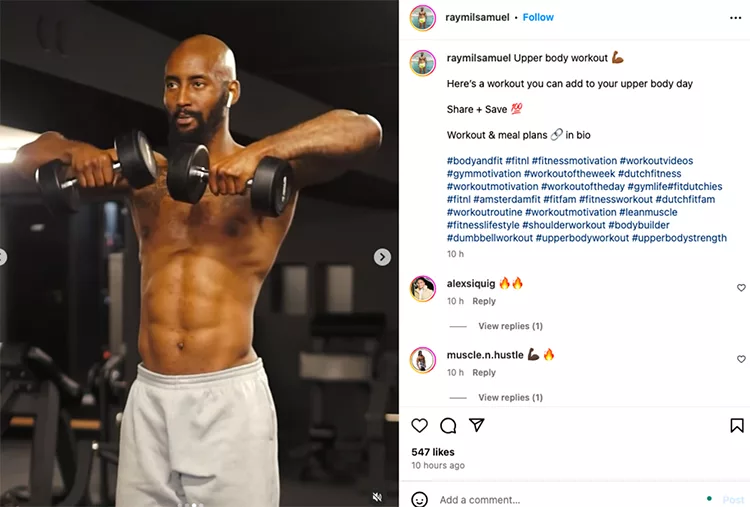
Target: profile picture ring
[422,360]
[422,289]
[422,63]
[422,18]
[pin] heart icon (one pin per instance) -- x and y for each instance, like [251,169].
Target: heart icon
[741,287]
[741,359]
[419,424]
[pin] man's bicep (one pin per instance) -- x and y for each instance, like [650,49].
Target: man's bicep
[309,171]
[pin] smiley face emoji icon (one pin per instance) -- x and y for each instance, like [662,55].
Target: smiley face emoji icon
[419,499]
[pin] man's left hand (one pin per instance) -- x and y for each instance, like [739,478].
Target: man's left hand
[229,176]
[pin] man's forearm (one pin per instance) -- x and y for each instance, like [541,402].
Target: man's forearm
[47,147]
[53,146]
[335,136]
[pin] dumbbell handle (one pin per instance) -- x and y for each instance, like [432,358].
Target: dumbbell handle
[74,181]
[202,173]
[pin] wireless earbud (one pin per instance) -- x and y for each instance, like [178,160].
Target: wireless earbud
[229,102]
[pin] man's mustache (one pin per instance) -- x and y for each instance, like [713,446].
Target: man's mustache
[184,112]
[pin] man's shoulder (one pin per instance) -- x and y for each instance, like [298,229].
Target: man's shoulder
[162,155]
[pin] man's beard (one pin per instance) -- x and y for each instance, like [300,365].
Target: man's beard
[204,130]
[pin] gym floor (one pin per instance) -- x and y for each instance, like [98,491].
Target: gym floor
[15,458]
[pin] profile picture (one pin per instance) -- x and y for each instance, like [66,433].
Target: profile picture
[422,360]
[422,63]
[422,288]
[422,17]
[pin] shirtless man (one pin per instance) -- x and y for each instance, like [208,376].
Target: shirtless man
[422,19]
[422,63]
[200,424]
[421,362]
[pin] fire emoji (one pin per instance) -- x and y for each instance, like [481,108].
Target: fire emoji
[504,284]
[517,284]
[549,356]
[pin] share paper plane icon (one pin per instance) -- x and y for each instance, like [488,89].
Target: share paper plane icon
[477,422]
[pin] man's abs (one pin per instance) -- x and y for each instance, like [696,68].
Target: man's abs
[196,314]
[202,269]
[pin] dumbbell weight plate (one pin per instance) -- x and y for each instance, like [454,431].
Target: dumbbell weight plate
[272,186]
[181,184]
[137,162]
[58,200]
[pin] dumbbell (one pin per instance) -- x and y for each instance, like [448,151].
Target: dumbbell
[136,163]
[270,188]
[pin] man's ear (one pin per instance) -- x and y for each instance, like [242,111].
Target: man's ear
[234,93]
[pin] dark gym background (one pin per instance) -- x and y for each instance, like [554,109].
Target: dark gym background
[91,70]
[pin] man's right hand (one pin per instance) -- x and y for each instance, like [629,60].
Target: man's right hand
[91,165]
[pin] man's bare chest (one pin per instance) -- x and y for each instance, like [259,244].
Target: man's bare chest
[155,211]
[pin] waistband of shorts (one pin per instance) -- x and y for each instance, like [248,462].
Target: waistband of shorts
[244,371]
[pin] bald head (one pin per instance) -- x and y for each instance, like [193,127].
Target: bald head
[215,55]
[200,84]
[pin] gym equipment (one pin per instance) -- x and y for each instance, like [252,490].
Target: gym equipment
[136,164]
[110,393]
[380,419]
[35,386]
[270,187]
[325,368]
[103,380]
